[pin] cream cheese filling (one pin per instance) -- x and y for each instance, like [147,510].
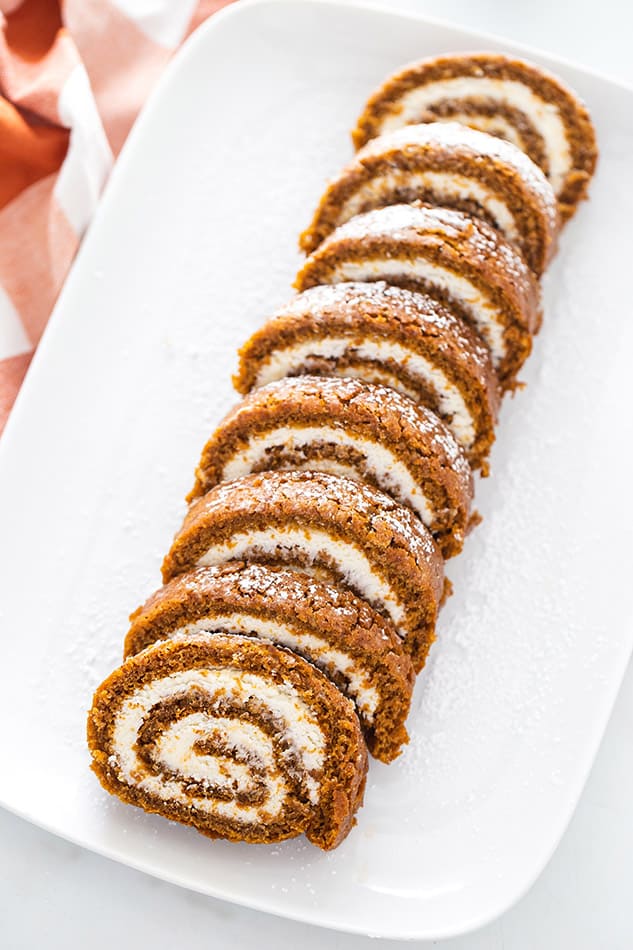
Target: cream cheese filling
[360,688]
[544,116]
[285,362]
[390,473]
[349,561]
[176,750]
[446,186]
[484,313]
[175,747]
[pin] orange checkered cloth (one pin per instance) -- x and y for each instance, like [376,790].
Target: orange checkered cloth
[73,76]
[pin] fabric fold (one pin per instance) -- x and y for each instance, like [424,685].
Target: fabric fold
[73,77]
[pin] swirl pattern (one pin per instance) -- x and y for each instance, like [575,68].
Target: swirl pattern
[347,427]
[356,648]
[499,95]
[460,260]
[234,736]
[339,529]
[388,335]
[447,164]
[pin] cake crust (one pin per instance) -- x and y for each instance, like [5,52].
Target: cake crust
[452,165]
[410,327]
[184,795]
[315,620]
[420,465]
[399,243]
[384,109]
[346,531]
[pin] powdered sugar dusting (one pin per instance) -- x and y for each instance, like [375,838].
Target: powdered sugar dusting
[409,226]
[521,671]
[473,145]
[421,314]
[398,221]
[527,91]
[320,499]
[445,251]
[351,400]
[275,586]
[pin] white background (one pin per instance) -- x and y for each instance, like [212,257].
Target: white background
[55,895]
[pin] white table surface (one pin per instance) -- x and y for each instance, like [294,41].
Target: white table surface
[55,895]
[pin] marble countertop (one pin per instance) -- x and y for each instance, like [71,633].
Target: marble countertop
[54,895]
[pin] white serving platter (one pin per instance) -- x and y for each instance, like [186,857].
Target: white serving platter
[193,246]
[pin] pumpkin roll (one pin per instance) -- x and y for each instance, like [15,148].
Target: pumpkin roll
[340,530]
[461,260]
[450,165]
[333,629]
[382,334]
[501,95]
[235,736]
[362,430]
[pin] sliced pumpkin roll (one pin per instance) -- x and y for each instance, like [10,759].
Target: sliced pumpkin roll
[331,628]
[504,96]
[235,736]
[461,260]
[453,166]
[348,427]
[341,530]
[382,334]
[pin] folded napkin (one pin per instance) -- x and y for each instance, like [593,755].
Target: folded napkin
[73,76]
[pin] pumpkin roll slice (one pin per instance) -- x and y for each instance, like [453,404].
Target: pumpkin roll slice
[453,166]
[235,736]
[509,98]
[338,529]
[348,427]
[383,334]
[461,260]
[331,628]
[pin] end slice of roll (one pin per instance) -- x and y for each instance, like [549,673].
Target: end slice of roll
[234,736]
[347,427]
[331,628]
[504,96]
[461,260]
[345,531]
[382,334]
[450,165]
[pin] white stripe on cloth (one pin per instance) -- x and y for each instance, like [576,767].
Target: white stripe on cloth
[13,337]
[89,158]
[162,21]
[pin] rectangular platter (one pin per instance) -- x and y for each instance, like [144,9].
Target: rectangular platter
[193,246]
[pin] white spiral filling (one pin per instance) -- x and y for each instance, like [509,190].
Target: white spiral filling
[287,361]
[391,474]
[445,186]
[286,543]
[320,651]
[175,751]
[544,116]
[484,313]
